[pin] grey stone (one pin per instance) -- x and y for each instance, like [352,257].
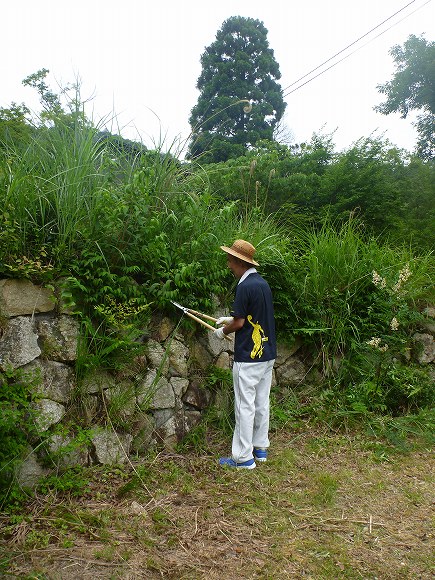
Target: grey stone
[137,509]
[425,351]
[179,385]
[429,311]
[67,452]
[191,419]
[285,351]
[48,413]
[88,407]
[200,358]
[292,373]
[172,430]
[122,396]
[223,361]
[58,338]
[178,355]
[57,379]
[97,381]
[21,297]
[162,416]
[29,472]
[19,343]
[157,357]
[215,345]
[428,324]
[111,447]
[165,328]
[155,393]
[141,428]
[167,434]
[274,382]
[197,396]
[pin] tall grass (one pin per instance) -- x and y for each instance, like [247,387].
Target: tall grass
[325,285]
[53,188]
[138,230]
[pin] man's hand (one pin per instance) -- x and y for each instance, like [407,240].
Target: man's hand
[219,333]
[224,320]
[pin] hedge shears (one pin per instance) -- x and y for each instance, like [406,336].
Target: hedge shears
[194,315]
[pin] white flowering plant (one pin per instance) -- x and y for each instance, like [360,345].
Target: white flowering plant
[384,377]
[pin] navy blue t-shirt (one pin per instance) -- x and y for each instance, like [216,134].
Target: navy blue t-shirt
[255,341]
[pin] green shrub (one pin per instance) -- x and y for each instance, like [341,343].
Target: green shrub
[17,423]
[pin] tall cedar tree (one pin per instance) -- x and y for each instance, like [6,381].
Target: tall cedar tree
[413,88]
[238,66]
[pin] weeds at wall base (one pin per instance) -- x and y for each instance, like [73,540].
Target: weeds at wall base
[328,503]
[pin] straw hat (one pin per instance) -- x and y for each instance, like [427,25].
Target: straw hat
[242,250]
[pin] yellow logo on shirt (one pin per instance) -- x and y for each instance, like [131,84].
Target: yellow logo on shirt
[258,337]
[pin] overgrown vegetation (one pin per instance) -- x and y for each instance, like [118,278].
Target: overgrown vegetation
[18,418]
[343,238]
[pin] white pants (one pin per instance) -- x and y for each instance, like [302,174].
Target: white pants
[251,406]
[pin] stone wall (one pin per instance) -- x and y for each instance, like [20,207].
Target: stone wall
[156,399]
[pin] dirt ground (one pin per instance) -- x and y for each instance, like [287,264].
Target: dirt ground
[326,505]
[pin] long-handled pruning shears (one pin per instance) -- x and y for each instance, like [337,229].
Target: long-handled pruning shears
[193,314]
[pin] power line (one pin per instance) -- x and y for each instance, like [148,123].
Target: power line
[351,44]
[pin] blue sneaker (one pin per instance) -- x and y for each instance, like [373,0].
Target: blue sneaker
[250,464]
[260,454]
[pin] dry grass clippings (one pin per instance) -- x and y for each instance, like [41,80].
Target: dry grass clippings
[322,507]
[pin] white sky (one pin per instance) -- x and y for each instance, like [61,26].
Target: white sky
[139,60]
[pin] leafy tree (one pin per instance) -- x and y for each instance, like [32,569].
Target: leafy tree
[417,183]
[14,126]
[240,101]
[413,88]
[53,110]
[273,176]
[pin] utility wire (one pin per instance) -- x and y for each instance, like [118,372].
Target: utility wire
[351,44]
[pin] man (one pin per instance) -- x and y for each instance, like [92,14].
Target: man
[253,323]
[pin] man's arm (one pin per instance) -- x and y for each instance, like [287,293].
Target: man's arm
[234,326]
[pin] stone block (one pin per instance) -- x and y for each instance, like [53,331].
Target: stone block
[223,361]
[154,392]
[179,385]
[29,472]
[157,357]
[18,343]
[57,379]
[196,396]
[178,355]
[165,328]
[215,345]
[21,297]
[425,348]
[98,381]
[48,413]
[110,447]
[58,338]
[121,399]
[66,452]
[285,351]
[200,358]
[191,419]
[141,428]
[292,373]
